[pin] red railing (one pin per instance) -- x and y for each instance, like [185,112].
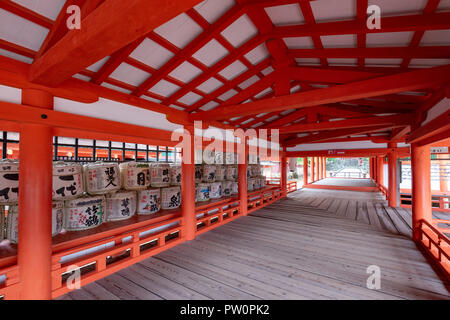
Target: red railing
[441,204]
[291,186]
[275,182]
[437,245]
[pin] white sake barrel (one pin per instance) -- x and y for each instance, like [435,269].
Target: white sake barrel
[220,172]
[209,156]
[120,205]
[202,192]
[256,184]
[198,174]
[101,178]
[249,171]
[227,187]
[232,173]
[209,173]
[230,158]
[216,190]
[175,175]
[160,175]
[171,198]
[84,213]
[135,175]
[67,181]
[12,225]
[250,185]
[219,157]
[256,170]
[9,181]
[149,201]
[234,188]
[263,182]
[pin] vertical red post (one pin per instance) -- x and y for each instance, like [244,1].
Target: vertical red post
[324,167]
[313,167]
[305,171]
[283,174]
[371,167]
[392,163]
[380,171]
[242,174]
[421,187]
[35,202]
[188,186]
[317,168]
[319,161]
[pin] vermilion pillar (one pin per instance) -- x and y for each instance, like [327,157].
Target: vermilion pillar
[305,171]
[380,171]
[188,186]
[242,173]
[35,202]
[283,169]
[421,187]
[324,167]
[320,162]
[371,167]
[317,169]
[313,167]
[392,163]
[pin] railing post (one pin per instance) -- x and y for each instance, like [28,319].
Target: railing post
[421,188]
[35,202]
[283,168]
[188,186]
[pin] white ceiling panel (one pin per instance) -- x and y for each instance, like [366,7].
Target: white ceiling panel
[240,31]
[307,61]
[399,7]
[342,62]
[15,56]
[180,31]
[233,70]
[247,83]
[164,88]
[211,53]
[151,54]
[227,95]
[333,10]
[49,9]
[299,43]
[21,31]
[185,72]
[129,74]
[339,41]
[389,39]
[210,85]
[436,38]
[289,14]
[190,98]
[212,10]
[97,66]
[210,105]
[258,54]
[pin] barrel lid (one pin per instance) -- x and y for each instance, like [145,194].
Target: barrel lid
[100,164]
[85,200]
[134,164]
[61,167]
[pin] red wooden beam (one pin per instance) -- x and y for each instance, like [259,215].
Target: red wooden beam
[429,52]
[320,75]
[420,22]
[346,124]
[399,133]
[113,25]
[345,153]
[434,128]
[12,47]
[419,79]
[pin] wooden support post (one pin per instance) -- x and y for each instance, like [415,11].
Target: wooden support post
[317,169]
[324,167]
[313,167]
[380,171]
[421,187]
[305,171]
[319,161]
[371,167]
[392,163]
[188,187]
[442,166]
[35,202]
[283,169]
[242,174]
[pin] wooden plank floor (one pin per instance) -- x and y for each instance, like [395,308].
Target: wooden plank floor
[301,247]
[347,182]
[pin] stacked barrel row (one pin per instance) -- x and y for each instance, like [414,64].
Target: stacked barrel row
[86,196]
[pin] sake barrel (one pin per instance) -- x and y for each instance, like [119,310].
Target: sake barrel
[198,174]
[219,157]
[149,201]
[171,198]
[250,185]
[175,175]
[249,171]
[67,181]
[203,192]
[101,178]
[9,181]
[160,175]
[220,173]
[209,156]
[209,173]
[232,173]
[216,190]
[263,182]
[12,225]
[84,213]
[120,205]
[135,175]
[227,187]
[256,184]
[256,170]
[230,158]
[234,188]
